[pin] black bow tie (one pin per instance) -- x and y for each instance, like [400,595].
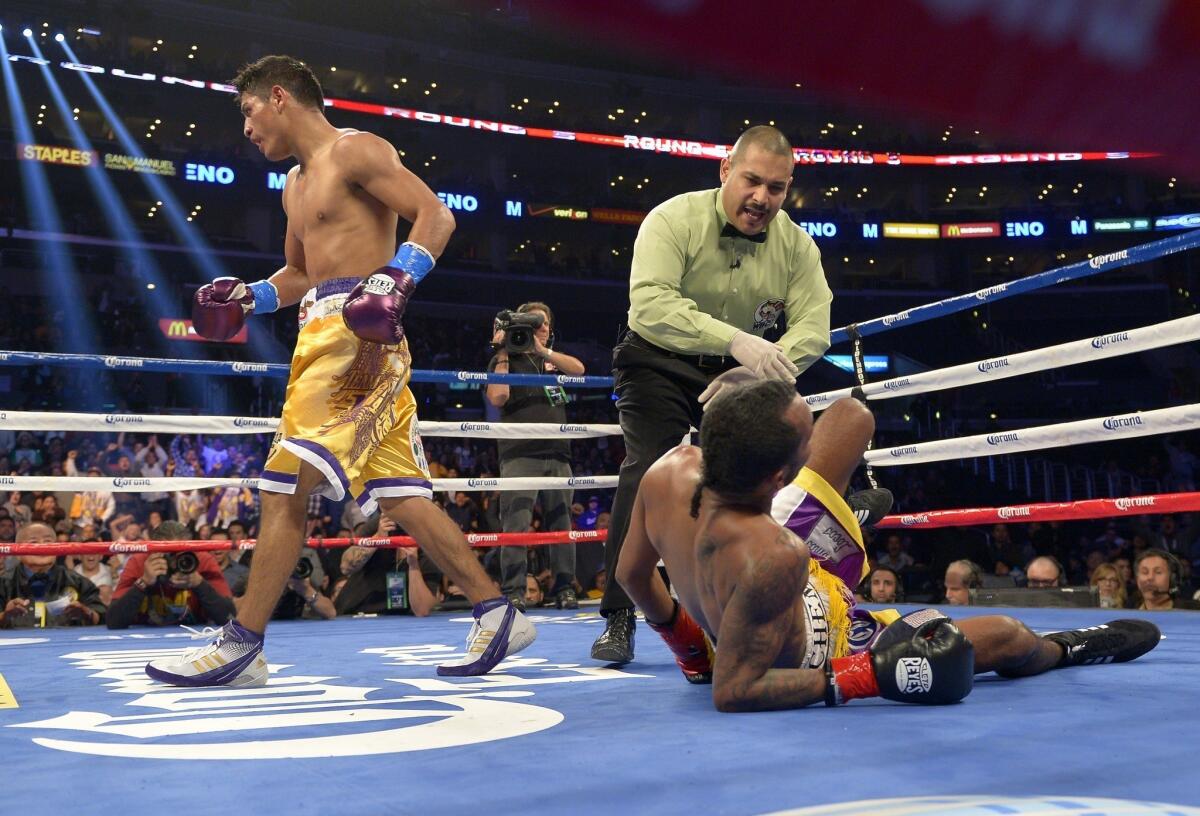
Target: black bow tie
[730,231]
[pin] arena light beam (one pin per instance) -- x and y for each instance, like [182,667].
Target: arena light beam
[78,329]
[156,301]
[262,346]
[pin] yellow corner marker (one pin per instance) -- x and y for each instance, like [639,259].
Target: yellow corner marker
[7,700]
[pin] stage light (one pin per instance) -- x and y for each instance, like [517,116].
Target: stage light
[59,37]
[28,32]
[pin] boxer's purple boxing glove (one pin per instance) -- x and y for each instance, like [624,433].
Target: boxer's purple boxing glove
[375,307]
[219,308]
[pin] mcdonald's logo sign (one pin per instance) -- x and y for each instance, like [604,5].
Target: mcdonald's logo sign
[988,229]
[178,328]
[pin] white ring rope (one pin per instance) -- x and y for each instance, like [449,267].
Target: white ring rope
[137,484]
[1101,429]
[166,423]
[1183,330]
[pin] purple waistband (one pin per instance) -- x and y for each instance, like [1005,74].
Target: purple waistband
[336,286]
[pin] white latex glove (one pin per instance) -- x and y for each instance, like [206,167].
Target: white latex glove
[763,358]
[727,381]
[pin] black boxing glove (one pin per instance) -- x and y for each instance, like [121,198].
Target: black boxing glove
[921,658]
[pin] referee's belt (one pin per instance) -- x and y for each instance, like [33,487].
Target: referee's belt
[708,363]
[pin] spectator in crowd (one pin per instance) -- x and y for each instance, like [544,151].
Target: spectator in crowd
[154,591]
[895,556]
[882,585]
[151,463]
[1109,587]
[42,592]
[1170,537]
[91,507]
[302,596]
[463,512]
[534,457]
[534,596]
[20,512]
[589,515]
[1159,582]
[1005,553]
[95,570]
[395,581]
[1124,567]
[961,577]
[190,507]
[1044,572]
[215,456]
[236,573]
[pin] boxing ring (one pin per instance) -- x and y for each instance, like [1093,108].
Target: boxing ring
[354,718]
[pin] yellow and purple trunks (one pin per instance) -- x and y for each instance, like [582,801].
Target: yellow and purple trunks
[347,411]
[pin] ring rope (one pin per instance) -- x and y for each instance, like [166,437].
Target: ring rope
[478,540]
[138,484]
[1063,434]
[1081,269]
[1104,346]
[185,424]
[1053,511]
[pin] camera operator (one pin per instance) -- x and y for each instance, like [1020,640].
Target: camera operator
[302,596]
[41,592]
[523,344]
[166,589]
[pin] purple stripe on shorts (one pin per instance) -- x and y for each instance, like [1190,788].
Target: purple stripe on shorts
[336,286]
[405,481]
[276,476]
[325,455]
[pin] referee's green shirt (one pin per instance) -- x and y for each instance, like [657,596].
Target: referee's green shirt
[691,290]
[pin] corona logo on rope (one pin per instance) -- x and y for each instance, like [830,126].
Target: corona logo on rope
[1013,512]
[123,419]
[471,376]
[896,385]
[255,367]
[1002,439]
[565,379]
[123,362]
[572,428]
[910,520]
[1101,260]
[984,294]
[475,426]
[480,538]
[127,547]
[896,318]
[483,482]
[121,481]
[253,422]
[1136,501]
[1120,422]
[581,480]
[907,450]
[992,365]
[1108,339]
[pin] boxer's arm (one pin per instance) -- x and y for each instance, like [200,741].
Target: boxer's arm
[291,280]
[756,623]
[637,566]
[373,164]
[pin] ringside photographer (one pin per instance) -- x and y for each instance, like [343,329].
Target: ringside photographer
[523,341]
[166,589]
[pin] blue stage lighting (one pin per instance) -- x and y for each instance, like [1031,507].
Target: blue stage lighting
[59,37]
[28,32]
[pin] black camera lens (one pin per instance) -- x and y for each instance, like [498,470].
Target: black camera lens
[304,568]
[182,562]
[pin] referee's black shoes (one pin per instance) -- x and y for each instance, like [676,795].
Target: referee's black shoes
[615,644]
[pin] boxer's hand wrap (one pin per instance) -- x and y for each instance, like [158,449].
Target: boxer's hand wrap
[375,306]
[921,658]
[219,308]
[687,641]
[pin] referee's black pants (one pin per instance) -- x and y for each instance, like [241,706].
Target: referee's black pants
[657,394]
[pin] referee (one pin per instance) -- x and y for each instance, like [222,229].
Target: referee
[712,270]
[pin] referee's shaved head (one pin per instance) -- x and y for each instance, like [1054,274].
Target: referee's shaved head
[764,137]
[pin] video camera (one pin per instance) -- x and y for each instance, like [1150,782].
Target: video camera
[518,328]
[304,568]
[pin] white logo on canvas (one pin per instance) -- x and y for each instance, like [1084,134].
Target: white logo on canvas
[913,674]
[477,710]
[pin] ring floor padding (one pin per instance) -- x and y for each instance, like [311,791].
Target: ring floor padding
[355,720]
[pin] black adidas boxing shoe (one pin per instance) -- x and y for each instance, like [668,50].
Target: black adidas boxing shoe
[1117,641]
[869,506]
